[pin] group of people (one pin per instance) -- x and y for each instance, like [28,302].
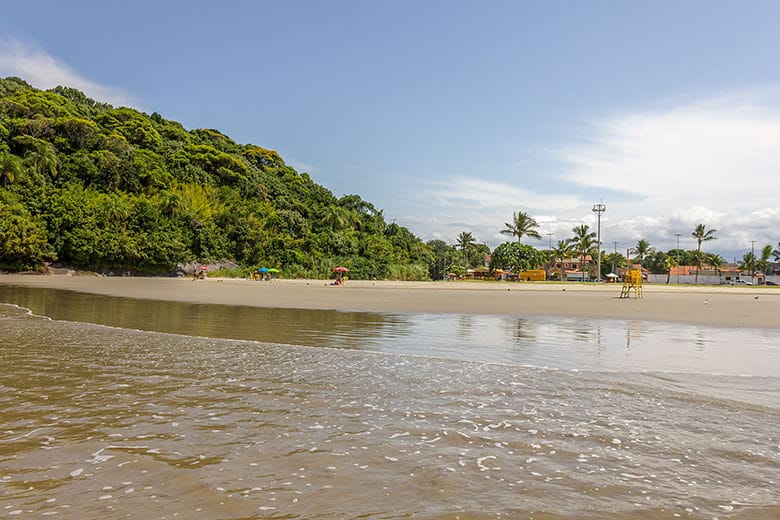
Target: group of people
[258,276]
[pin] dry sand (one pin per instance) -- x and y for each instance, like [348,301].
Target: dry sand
[757,307]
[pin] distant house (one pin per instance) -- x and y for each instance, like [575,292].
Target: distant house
[572,268]
[731,274]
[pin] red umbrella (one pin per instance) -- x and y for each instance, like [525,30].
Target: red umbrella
[203,268]
[340,270]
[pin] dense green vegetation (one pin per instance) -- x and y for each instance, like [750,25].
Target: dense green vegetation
[103,188]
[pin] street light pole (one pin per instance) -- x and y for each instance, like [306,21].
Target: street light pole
[598,209]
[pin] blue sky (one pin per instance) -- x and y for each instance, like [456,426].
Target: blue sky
[451,115]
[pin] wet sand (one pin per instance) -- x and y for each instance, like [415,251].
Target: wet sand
[754,307]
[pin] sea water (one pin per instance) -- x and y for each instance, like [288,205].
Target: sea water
[124,409]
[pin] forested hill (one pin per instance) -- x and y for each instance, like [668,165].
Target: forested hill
[102,188]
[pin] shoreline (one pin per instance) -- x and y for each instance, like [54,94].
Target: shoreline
[725,306]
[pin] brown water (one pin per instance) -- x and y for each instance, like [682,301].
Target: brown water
[108,422]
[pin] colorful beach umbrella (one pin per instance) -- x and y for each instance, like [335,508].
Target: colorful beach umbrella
[262,270]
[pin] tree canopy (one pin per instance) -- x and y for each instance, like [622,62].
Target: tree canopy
[522,225]
[516,257]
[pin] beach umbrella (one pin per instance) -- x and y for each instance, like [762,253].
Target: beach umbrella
[273,270]
[340,269]
[263,270]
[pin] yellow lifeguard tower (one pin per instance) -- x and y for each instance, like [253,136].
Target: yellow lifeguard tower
[632,280]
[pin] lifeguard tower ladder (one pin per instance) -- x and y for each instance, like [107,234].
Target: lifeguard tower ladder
[632,280]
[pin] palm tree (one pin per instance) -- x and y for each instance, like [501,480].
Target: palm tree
[562,251]
[763,261]
[584,243]
[43,159]
[10,167]
[465,242]
[776,253]
[715,260]
[701,234]
[642,248]
[669,262]
[748,262]
[521,225]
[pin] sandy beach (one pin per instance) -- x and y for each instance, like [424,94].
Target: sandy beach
[718,305]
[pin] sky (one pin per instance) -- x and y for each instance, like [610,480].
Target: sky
[450,116]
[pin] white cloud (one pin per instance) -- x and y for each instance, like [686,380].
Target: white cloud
[707,150]
[44,71]
[712,162]
[480,193]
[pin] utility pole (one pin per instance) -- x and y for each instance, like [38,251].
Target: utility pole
[598,209]
[678,257]
[549,251]
[753,262]
[614,258]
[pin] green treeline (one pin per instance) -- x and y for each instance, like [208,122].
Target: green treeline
[102,188]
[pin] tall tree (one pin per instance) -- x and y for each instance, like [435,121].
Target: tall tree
[522,225]
[642,249]
[763,261]
[748,262]
[701,234]
[669,262]
[443,256]
[715,260]
[584,243]
[465,241]
[516,257]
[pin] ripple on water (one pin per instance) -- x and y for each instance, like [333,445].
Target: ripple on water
[151,425]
